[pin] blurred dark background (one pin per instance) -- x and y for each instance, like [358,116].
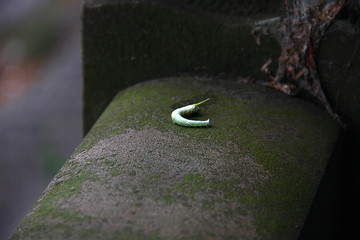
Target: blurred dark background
[40,99]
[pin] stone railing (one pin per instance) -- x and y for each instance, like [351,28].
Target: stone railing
[253,174]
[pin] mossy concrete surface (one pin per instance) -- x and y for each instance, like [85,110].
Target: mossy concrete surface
[252,175]
[126,42]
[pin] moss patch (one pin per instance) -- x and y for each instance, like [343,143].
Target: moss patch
[252,174]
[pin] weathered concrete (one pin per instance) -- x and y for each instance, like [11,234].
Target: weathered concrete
[126,42]
[252,175]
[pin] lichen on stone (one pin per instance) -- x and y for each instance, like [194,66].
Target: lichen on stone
[252,175]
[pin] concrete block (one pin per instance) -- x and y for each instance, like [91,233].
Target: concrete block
[126,42]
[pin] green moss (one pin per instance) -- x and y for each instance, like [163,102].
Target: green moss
[191,184]
[111,166]
[138,205]
[286,152]
[168,198]
[258,165]
[49,206]
[153,179]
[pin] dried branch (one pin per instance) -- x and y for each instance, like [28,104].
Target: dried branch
[303,29]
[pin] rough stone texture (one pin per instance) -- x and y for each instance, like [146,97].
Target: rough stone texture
[251,175]
[126,42]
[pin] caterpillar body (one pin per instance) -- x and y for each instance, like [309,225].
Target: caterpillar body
[178,115]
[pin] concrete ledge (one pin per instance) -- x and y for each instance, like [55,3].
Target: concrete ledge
[252,175]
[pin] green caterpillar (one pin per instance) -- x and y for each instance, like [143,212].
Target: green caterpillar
[177,116]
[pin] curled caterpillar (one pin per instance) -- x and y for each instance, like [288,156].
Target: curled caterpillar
[177,116]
